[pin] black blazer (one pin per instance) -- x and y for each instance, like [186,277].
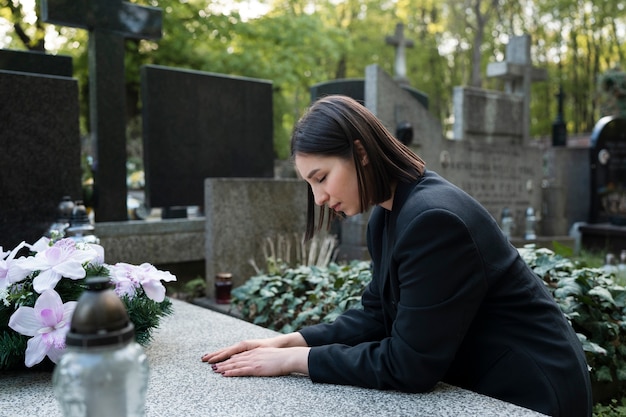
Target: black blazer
[451,300]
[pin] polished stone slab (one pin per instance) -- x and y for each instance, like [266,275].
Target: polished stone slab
[182,385]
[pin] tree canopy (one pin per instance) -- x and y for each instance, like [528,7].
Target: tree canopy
[298,43]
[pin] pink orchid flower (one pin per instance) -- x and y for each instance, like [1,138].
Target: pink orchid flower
[127,279]
[48,323]
[9,273]
[65,258]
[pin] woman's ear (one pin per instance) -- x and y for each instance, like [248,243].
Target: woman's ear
[360,150]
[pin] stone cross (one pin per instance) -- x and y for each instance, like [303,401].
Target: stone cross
[401,43]
[109,22]
[518,74]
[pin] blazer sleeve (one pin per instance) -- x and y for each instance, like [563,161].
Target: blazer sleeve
[441,283]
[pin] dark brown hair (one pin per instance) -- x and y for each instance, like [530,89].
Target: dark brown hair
[329,128]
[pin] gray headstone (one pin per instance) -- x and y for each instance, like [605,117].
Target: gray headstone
[198,125]
[487,116]
[608,171]
[35,62]
[240,214]
[518,74]
[40,153]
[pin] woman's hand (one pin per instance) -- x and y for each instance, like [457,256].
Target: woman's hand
[278,355]
[244,346]
[265,361]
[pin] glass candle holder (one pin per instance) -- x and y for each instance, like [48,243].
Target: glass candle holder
[223,285]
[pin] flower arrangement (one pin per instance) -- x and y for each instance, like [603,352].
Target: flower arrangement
[38,294]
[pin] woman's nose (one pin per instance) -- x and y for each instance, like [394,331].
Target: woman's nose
[320,197]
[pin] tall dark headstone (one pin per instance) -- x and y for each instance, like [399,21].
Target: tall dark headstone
[35,62]
[39,153]
[109,22]
[198,125]
[608,171]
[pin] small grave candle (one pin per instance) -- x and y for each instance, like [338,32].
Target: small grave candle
[223,285]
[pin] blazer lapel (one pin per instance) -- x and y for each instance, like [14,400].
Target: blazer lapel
[390,285]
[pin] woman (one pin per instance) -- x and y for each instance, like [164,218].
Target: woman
[450,300]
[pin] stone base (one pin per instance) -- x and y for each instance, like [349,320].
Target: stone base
[156,242]
[545,241]
[603,237]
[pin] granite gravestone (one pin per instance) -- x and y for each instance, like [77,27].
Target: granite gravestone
[35,62]
[351,87]
[40,153]
[608,171]
[109,22]
[198,125]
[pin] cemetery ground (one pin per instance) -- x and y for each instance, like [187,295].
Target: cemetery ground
[285,298]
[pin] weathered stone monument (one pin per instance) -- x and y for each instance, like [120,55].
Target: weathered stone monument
[109,22]
[240,214]
[518,74]
[496,174]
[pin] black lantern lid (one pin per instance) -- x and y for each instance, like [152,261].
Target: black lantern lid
[100,318]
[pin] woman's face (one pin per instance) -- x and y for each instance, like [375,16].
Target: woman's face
[333,181]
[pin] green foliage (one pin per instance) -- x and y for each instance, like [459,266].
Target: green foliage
[145,315]
[614,408]
[302,296]
[300,43]
[595,304]
[195,288]
[13,344]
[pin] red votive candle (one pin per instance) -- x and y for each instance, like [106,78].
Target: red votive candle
[223,285]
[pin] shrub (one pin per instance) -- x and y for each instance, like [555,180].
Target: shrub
[297,297]
[290,298]
[595,305]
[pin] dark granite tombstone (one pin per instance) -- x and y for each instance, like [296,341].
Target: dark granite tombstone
[608,171]
[355,88]
[198,125]
[39,153]
[35,62]
[109,22]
